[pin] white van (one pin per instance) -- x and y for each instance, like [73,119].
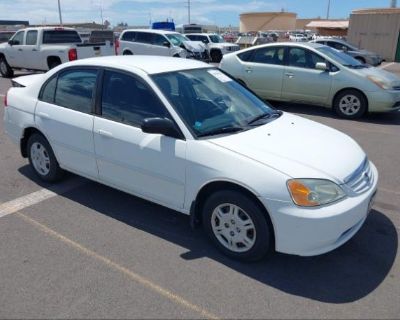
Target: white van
[159,43]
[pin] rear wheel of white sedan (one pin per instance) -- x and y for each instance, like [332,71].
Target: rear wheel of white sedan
[237,225]
[42,159]
[350,104]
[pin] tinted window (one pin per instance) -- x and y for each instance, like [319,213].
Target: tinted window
[128,36]
[303,58]
[31,37]
[19,37]
[269,55]
[246,56]
[143,37]
[204,39]
[193,37]
[158,39]
[128,100]
[75,89]
[61,36]
[336,45]
[49,90]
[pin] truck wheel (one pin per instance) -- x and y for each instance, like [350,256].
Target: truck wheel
[237,225]
[5,69]
[54,63]
[216,56]
[127,53]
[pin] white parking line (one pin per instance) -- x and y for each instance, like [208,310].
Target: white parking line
[36,197]
[387,65]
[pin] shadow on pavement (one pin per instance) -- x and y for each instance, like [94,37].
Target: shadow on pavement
[392,118]
[347,274]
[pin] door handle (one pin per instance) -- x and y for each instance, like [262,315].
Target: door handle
[249,70]
[20,49]
[104,133]
[43,115]
[289,75]
[34,49]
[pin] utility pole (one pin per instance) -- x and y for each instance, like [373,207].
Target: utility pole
[59,12]
[327,11]
[393,4]
[189,11]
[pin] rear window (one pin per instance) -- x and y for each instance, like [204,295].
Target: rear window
[61,36]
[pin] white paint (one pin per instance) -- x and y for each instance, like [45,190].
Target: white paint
[2,95]
[387,65]
[37,197]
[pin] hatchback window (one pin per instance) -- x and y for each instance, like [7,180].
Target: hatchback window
[128,36]
[128,100]
[75,89]
[303,58]
[31,37]
[269,55]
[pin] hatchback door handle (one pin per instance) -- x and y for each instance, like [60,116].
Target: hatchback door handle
[289,74]
[19,49]
[248,70]
[43,115]
[104,133]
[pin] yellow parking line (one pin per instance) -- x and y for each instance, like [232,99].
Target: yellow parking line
[113,265]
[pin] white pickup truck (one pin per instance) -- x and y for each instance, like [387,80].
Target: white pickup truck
[44,48]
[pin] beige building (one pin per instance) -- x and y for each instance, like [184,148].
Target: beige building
[376,30]
[263,21]
[337,28]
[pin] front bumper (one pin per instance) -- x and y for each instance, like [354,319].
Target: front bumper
[383,101]
[313,231]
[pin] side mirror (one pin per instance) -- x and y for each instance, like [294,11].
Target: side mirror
[321,66]
[344,48]
[160,126]
[166,44]
[205,41]
[11,42]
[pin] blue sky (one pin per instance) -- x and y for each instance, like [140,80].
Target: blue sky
[139,12]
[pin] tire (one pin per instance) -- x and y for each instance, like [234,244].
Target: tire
[127,53]
[5,69]
[226,230]
[49,172]
[350,104]
[216,56]
[54,64]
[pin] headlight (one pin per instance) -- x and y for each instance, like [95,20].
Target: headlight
[379,82]
[314,192]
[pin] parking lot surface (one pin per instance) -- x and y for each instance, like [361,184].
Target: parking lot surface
[79,249]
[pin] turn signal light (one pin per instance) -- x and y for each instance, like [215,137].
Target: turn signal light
[302,196]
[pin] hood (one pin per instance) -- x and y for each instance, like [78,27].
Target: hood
[298,147]
[194,46]
[387,76]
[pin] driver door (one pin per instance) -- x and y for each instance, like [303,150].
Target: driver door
[15,57]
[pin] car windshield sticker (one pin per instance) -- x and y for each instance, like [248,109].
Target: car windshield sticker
[219,75]
[197,124]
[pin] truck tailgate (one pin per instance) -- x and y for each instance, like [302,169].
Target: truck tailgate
[90,50]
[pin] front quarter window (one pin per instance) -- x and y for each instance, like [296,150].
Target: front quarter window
[210,103]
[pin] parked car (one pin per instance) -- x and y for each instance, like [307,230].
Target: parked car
[215,44]
[312,73]
[159,43]
[298,37]
[45,48]
[363,56]
[175,132]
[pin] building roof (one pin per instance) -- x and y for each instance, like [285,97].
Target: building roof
[377,11]
[339,24]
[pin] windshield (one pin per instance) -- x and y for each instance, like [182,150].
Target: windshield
[216,38]
[340,57]
[210,103]
[176,38]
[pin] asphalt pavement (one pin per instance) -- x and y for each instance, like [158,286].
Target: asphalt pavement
[79,249]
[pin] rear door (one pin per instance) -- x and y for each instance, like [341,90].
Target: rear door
[150,165]
[263,71]
[158,47]
[302,82]
[143,43]
[31,51]
[64,114]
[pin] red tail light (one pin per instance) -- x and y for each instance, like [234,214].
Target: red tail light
[116,46]
[5,100]
[72,54]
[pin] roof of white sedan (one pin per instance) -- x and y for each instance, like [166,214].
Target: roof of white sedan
[149,64]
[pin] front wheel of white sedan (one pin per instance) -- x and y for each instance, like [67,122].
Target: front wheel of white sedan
[237,225]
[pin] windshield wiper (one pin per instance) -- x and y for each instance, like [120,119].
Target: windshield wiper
[265,115]
[220,131]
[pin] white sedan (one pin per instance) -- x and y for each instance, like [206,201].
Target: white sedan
[185,135]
